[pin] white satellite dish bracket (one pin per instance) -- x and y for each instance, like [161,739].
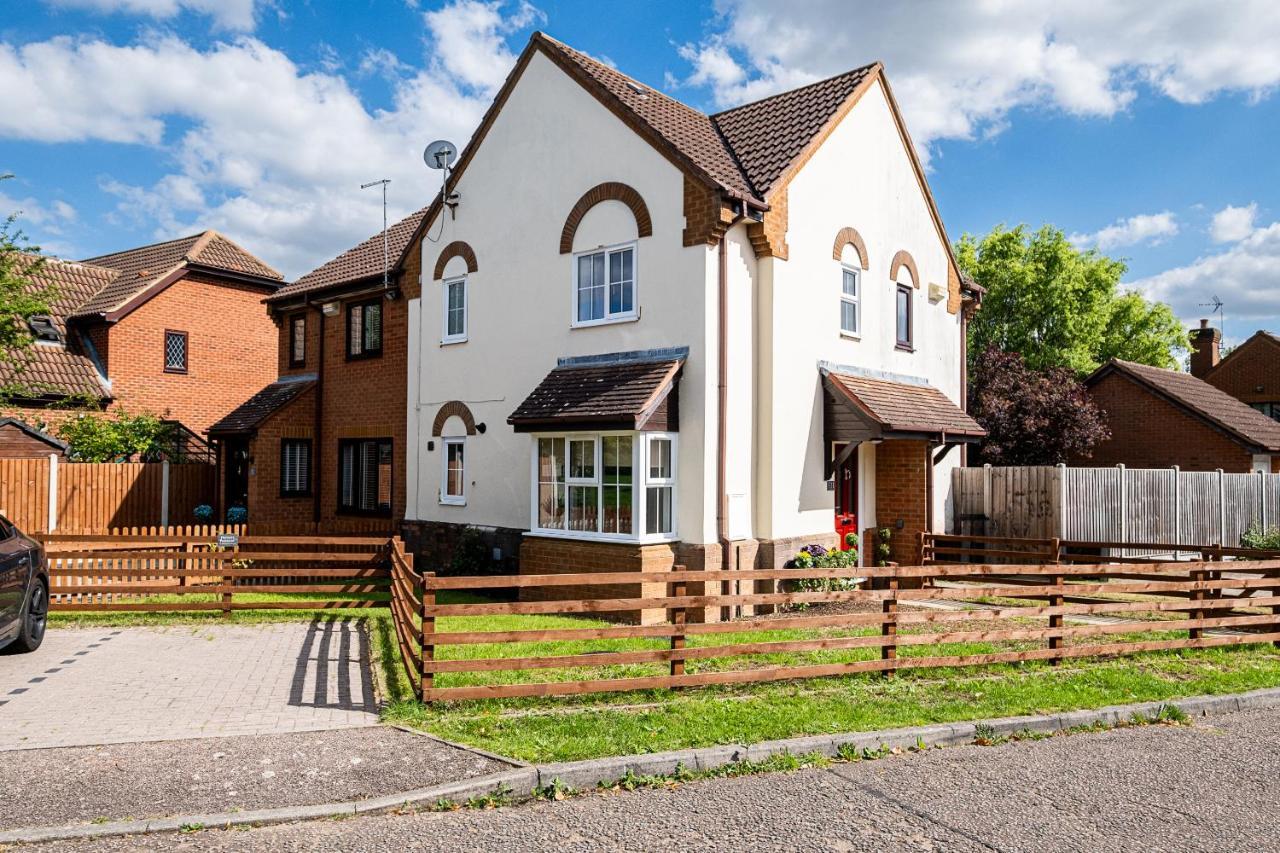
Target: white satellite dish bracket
[441,155]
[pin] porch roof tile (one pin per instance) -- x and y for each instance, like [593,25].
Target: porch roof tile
[903,407]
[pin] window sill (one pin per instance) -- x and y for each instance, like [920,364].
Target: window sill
[364,356]
[177,370]
[618,538]
[904,348]
[447,342]
[850,336]
[453,501]
[610,321]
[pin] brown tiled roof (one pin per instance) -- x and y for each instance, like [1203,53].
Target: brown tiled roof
[903,407]
[1200,398]
[246,417]
[769,134]
[45,370]
[619,389]
[691,133]
[139,268]
[358,263]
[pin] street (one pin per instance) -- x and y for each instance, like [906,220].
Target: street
[1213,785]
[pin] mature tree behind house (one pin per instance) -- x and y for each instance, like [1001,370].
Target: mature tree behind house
[21,297]
[1060,306]
[1032,417]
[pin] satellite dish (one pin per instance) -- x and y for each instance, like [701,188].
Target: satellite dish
[440,154]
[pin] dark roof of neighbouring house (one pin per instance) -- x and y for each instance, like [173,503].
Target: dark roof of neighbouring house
[37,434]
[249,415]
[902,406]
[1201,400]
[137,270]
[358,263]
[616,388]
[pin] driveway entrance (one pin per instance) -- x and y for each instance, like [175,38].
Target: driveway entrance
[116,685]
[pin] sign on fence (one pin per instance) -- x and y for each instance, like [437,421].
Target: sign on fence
[228,540]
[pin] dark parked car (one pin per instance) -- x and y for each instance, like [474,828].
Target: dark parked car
[24,590]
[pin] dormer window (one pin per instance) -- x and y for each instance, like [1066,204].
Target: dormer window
[43,329]
[605,285]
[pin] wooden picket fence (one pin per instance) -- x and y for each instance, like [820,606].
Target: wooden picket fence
[1166,606]
[184,571]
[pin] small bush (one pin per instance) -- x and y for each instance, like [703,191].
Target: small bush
[237,515]
[1262,538]
[203,513]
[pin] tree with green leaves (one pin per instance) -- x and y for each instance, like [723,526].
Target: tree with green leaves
[119,437]
[1057,305]
[22,295]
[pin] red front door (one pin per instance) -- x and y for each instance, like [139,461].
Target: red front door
[846,496]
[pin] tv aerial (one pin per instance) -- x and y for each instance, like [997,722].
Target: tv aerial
[1215,307]
[441,155]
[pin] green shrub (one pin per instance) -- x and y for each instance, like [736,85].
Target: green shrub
[1264,539]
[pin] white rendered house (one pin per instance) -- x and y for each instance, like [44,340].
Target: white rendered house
[650,336]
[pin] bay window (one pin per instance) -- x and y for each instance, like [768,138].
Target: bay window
[607,485]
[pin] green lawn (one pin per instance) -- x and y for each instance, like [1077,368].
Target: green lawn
[568,728]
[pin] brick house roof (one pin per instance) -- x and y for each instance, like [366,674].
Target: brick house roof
[1200,399]
[139,269]
[903,407]
[620,389]
[357,263]
[250,414]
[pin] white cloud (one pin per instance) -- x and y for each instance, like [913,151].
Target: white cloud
[51,218]
[958,69]
[260,148]
[1246,277]
[228,14]
[1233,223]
[1148,228]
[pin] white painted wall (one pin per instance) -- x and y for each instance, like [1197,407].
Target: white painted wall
[552,142]
[860,177]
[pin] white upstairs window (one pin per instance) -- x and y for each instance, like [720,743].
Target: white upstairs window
[455,311]
[604,285]
[850,302]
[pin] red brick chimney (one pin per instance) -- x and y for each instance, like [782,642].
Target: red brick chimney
[1206,346]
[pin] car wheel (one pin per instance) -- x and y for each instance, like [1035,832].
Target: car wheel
[35,618]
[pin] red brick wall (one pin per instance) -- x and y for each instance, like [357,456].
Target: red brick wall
[1251,373]
[1149,432]
[545,555]
[231,344]
[265,501]
[902,490]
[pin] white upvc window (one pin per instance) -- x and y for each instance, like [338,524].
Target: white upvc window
[612,486]
[453,477]
[604,285]
[454,329]
[850,301]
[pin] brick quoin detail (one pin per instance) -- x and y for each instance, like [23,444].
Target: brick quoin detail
[705,217]
[903,259]
[769,237]
[847,236]
[454,408]
[456,249]
[608,191]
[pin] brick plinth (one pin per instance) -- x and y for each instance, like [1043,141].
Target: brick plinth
[545,555]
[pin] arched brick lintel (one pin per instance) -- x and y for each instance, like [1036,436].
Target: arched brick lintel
[903,259]
[608,191]
[456,249]
[451,409]
[850,237]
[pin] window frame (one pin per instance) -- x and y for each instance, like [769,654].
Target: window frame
[460,337]
[365,351]
[639,486]
[377,512]
[445,443]
[286,492]
[186,351]
[608,318]
[855,300]
[907,344]
[295,339]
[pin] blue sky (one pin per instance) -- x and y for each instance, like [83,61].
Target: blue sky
[1139,129]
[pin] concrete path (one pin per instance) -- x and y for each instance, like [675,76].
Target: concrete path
[1213,786]
[89,686]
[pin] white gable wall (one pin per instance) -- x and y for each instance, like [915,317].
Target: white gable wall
[551,142]
[861,177]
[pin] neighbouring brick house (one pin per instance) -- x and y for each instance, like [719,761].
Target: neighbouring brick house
[1250,372]
[175,329]
[1160,418]
[325,441]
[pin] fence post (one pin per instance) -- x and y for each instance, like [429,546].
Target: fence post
[426,678]
[1262,497]
[164,493]
[1198,576]
[986,498]
[889,628]
[1124,508]
[1058,600]
[1062,499]
[228,581]
[1177,510]
[1222,509]
[679,615]
[53,492]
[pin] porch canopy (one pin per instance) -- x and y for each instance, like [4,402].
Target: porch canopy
[245,419]
[864,406]
[614,391]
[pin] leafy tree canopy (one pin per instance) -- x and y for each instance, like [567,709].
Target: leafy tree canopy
[1060,306]
[1032,417]
[22,295]
[118,437]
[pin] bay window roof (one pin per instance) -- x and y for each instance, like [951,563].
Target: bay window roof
[617,391]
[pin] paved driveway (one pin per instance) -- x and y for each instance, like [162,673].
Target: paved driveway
[117,685]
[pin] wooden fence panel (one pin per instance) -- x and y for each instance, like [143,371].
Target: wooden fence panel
[24,492]
[190,484]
